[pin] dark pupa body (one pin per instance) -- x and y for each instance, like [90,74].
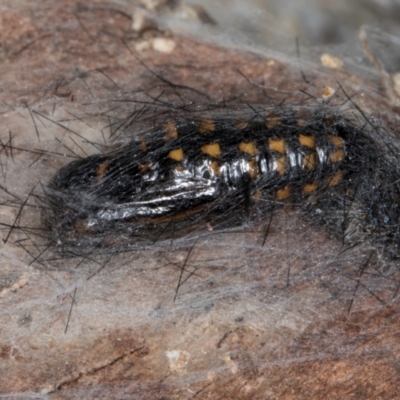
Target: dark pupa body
[189,175]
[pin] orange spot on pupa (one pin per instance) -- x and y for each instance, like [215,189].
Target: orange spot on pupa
[310,161]
[309,188]
[307,141]
[337,156]
[171,131]
[176,155]
[213,150]
[207,125]
[278,145]
[248,148]
[336,140]
[272,121]
[335,179]
[144,168]
[284,193]
[253,170]
[281,165]
[102,169]
[257,196]
[143,145]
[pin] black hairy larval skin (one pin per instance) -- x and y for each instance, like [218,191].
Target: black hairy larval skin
[196,174]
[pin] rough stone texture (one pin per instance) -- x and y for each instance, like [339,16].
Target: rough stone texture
[291,320]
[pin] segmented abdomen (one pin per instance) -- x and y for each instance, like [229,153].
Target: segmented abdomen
[217,172]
